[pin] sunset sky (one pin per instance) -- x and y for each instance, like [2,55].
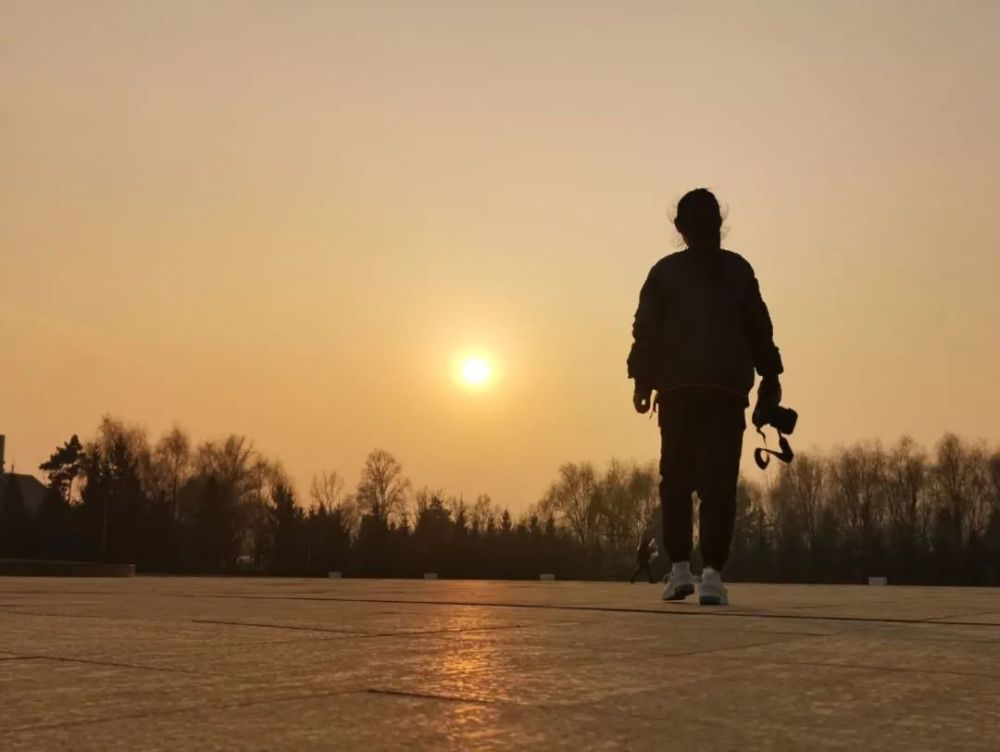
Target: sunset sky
[292,220]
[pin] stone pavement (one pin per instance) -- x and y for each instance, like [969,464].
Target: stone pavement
[268,664]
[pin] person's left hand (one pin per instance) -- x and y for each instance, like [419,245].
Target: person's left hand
[641,400]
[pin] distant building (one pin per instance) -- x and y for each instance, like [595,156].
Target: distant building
[31,490]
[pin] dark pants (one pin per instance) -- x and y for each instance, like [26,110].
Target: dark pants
[702,439]
[643,567]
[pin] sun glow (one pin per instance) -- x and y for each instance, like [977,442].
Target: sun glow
[475,371]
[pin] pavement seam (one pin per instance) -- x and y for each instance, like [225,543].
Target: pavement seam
[354,633]
[177,711]
[113,664]
[714,612]
[879,668]
[966,615]
[453,630]
[431,696]
[875,632]
[57,615]
[261,625]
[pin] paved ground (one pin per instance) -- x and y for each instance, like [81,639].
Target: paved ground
[175,663]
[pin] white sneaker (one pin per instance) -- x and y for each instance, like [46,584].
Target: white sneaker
[711,591]
[679,586]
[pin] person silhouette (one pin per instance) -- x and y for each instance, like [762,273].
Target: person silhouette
[701,329]
[645,552]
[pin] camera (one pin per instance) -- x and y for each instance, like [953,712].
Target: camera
[782,419]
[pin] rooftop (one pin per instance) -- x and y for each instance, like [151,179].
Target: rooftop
[31,489]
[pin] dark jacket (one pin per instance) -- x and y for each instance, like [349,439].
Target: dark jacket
[642,550]
[702,324]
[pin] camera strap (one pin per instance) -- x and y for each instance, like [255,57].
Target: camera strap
[760,455]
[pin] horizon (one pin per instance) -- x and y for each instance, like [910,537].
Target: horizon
[291,224]
[417,488]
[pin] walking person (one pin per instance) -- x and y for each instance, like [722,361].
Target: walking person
[700,331]
[645,552]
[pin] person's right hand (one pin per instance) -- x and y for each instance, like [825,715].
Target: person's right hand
[768,397]
[769,392]
[641,400]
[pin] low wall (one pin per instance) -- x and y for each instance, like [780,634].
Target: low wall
[42,568]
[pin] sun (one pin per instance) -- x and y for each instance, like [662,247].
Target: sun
[475,371]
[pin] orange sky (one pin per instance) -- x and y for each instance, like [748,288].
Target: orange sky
[285,219]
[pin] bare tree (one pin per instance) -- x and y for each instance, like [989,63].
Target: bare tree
[906,475]
[961,483]
[234,463]
[327,493]
[425,497]
[249,479]
[644,487]
[116,437]
[857,475]
[172,466]
[573,500]
[798,501]
[459,510]
[483,515]
[993,473]
[626,497]
[117,471]
[382,491]
[327,489]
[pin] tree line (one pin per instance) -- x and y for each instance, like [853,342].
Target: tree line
[222,507]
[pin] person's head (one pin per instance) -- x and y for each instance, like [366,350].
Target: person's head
[699,219]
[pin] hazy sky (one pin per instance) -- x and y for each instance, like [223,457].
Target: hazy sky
[287,219]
